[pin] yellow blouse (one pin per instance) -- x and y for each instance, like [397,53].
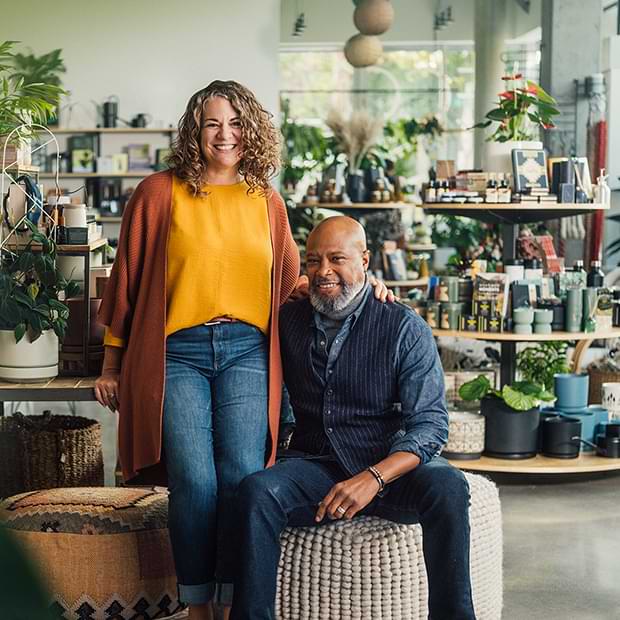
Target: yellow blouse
[219,258]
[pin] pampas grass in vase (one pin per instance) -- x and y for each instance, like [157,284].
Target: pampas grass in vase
[355,135]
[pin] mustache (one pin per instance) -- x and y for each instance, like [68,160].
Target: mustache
[317,280]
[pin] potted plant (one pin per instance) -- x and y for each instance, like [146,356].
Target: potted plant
[539,363]
[32,314]
[22,103]
[522,110]
[512,416]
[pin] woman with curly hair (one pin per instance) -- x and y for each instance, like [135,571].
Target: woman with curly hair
[192,361]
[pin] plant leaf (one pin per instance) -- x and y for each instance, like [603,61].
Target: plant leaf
[475,389]
[19,331]
[518,400]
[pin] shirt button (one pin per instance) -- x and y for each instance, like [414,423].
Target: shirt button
[330,430]
[330,391]
[322,343]
[330,371]
[329,411]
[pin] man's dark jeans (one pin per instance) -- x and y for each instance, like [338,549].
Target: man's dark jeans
[436,495]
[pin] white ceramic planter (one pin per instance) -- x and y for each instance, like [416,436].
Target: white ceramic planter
[28,362]
[497,156]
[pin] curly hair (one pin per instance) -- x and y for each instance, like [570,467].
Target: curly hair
[261,140]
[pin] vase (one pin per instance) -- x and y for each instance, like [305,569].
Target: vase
[356,188]
[509,434]
[497,156]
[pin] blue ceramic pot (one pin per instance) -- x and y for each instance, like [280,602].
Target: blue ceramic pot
[571,391]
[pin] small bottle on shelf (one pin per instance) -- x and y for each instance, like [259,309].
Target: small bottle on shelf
[440,190]
[431,192]
[596,277]
[578,266]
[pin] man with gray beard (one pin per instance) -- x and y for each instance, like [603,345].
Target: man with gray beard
[366,387]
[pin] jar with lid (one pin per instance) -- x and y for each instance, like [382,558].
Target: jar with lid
[533,269]
[514,269]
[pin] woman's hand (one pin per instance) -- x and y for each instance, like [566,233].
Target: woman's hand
[107,388]
[382,292]
[348,497]
[301,290]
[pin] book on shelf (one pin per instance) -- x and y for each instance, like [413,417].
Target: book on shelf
[530,170]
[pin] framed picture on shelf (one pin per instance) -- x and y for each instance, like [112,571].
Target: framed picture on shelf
[394,263]
[82,160]
[529,168]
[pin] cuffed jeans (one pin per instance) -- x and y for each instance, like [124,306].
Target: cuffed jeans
[435,494]
[214,435]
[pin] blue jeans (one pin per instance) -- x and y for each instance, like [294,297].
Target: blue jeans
[214,434]
[435,494]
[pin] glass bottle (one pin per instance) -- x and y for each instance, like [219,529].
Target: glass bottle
[596,276]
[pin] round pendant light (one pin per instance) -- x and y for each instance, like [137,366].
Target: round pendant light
[373,17]
[362,50]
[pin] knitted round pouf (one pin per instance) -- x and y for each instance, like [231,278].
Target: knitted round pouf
[372,568]
[104,553]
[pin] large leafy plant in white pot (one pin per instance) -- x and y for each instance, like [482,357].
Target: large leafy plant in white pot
[522,111]
[32,313]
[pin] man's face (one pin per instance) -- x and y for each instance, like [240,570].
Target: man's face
[336,265]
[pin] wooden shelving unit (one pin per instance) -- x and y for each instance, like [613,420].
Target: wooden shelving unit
[583,464]
[109,219]
[98,175]
[510,337]
[509,216]
[339,206]
[406,283]
[512,213]
[113,130]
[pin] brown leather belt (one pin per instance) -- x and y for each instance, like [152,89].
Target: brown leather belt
[221,319]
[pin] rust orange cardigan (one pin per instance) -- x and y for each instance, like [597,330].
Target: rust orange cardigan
[134,308]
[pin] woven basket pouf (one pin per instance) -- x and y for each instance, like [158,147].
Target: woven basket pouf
[372,569]
[104,553]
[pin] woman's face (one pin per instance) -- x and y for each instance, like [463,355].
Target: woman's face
[220,136]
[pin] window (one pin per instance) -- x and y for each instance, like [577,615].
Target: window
[406,83]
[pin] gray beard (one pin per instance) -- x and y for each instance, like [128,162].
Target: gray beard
[330,306]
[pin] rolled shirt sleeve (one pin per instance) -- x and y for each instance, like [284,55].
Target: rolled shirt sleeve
[422,393]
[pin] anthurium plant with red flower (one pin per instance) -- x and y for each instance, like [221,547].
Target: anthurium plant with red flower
[523,108]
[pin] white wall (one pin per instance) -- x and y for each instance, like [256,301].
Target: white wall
[331,21]
[153,56]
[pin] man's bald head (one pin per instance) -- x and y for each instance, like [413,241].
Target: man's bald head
[338,229]
[336,261]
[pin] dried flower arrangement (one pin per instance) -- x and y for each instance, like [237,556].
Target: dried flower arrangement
[356,135]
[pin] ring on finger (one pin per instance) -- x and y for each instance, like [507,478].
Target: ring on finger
[340,510]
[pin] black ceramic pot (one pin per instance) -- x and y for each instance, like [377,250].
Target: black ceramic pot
[509,434]
[356,188]
[544,414]
[560,437]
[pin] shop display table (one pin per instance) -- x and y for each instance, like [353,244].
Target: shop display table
[59,389]
[583,464]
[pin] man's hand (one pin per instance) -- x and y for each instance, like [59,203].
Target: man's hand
[348,497]
[382,292]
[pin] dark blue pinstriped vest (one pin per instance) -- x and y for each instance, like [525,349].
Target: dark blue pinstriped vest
[355,409]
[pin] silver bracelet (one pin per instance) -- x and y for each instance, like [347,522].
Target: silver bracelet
[378,477]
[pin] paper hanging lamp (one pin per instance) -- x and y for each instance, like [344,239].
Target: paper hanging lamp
[362,50]
[373,17]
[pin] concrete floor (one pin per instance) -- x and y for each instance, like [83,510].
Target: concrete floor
[562,549]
